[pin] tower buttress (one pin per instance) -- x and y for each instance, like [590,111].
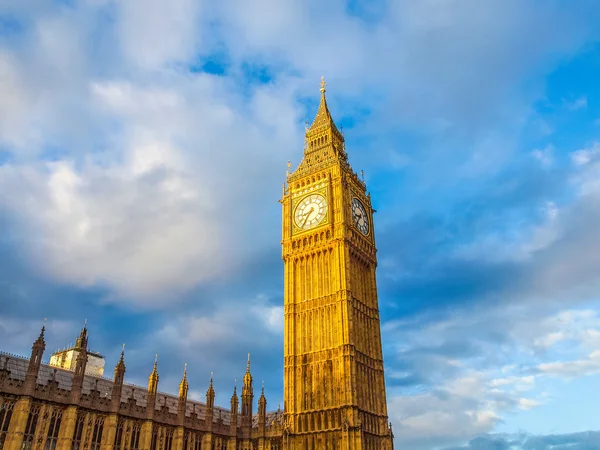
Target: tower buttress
[35,360]
[210,403]
[119,378]
[80,365]
[234,410]
[262,408]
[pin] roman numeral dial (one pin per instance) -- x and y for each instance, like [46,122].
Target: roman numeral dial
[310,212]
[359,215]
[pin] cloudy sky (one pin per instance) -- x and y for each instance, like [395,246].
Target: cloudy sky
[143,145]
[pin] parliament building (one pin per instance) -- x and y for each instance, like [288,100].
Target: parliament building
[334,386]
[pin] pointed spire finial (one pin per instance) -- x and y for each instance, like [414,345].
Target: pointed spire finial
[43,330]
[155,360]
[248,364]
[323,84]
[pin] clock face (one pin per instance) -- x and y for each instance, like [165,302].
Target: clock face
[359,215]
[310,212]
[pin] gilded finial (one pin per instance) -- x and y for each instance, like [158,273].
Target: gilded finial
[287,172]
[323,84]
[248,364]
[362,174]
[185,370]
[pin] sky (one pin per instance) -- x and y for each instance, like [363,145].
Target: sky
[144,143]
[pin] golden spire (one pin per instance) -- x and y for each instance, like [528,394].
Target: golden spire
[323,119]
[153,378]
[183,386]
[120,367]
[247,388]
[210,393]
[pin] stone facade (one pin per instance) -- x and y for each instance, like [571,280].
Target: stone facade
[47,408]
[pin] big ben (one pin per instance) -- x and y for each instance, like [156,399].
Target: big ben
[334,387]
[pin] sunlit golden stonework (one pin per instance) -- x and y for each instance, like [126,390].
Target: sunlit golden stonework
[334,388]
[333,379]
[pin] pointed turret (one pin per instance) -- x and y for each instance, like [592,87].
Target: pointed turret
[120,368]
[247,396]
[35,360]
[234,409]
[82,340]
[262,409]
[234,400]
[153,378]
[183,386]
[210,394]
[323,120]
[210,403]
[152,389]
[324,144]
[183,393]
[118,382]
[80,366]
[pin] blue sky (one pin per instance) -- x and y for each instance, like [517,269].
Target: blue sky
[143,145]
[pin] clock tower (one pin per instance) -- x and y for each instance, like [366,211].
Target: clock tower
[334,387]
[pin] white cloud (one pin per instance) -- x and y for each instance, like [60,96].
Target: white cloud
[579,103]
[497,374]
[575,368]
[544,156]
[153,32]
[585,155]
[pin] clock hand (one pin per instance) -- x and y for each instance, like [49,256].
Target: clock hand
[306,216]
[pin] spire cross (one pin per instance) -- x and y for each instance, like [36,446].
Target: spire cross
[323,84]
